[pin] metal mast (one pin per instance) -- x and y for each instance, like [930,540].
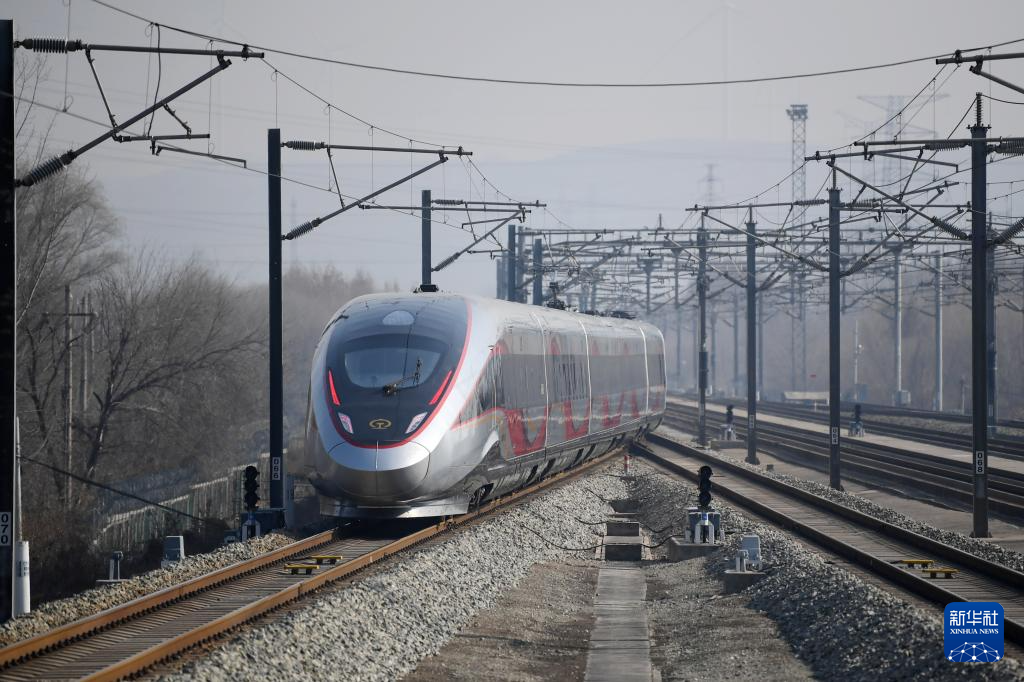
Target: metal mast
[798,116]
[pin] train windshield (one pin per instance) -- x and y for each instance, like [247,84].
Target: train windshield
[401,362]
[389,364]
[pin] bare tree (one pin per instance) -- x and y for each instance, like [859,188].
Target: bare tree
[64,232]
[166,333]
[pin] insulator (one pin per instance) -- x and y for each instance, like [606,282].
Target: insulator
[51,45]
[447,261]
[304,145]
[43,170]
[448,202]
[938,146]
[302,229]
[1011,148]
[1013,231]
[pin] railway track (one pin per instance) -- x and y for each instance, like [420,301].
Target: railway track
[127,639]
[874,463]
[1003,446]
[871,544]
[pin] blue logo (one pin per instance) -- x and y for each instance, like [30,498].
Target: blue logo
[973,631]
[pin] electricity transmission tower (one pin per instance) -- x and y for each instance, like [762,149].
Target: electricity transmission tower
[798,115]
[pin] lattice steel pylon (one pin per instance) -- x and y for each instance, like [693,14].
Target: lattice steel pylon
[798,115]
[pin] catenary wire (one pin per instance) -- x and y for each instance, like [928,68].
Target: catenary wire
[565,84]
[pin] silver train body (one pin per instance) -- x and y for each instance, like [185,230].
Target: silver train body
[424,404]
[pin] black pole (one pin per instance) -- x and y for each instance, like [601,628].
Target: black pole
[979,324]
[679,328]
[992,285]
[8,324]
[702,336]
[276,370]
[834,303]
[425,237]
[647,305]
[538,279]
[752,341]
[520,267]
[511,265]
[760,344]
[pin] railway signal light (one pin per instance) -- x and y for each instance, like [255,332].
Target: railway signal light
[704,487]
[251,485]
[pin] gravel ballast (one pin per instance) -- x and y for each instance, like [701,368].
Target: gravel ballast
[381,626]
[62,611]
[840,626]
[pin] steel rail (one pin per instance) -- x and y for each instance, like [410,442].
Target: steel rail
[881,464]
[1004,446]
[994,572]
[872,450]
[125,613]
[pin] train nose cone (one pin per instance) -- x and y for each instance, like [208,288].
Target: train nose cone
[369,473]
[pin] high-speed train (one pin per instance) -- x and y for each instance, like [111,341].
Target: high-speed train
[426,404]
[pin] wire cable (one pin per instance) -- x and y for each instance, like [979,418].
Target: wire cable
[562,84]
[104,486]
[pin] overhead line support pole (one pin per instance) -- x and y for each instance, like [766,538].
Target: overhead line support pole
[520,296]
[8,320]
[538,280]
[992,287]
[511,265]
[897,326]
[979,323]
[834,341]
[276,328]
[752,312]
[66,397]
[937,400]
[702,336]
[425,260]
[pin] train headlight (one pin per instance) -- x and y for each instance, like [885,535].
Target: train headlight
[346,423]
[416,421]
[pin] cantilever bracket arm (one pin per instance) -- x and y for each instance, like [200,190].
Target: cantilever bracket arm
[959,58]
[452,258]
[573,281]
[62,46]
[571,254]
[310,225]
[810,262]
[59,163]
[976,69]
[941,224]
[735,280]
[867,258]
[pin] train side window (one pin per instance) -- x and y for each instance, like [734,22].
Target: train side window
[486,390]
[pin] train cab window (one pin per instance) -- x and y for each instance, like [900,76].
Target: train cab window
[373,361]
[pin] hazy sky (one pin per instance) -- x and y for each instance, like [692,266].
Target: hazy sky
[599,157]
